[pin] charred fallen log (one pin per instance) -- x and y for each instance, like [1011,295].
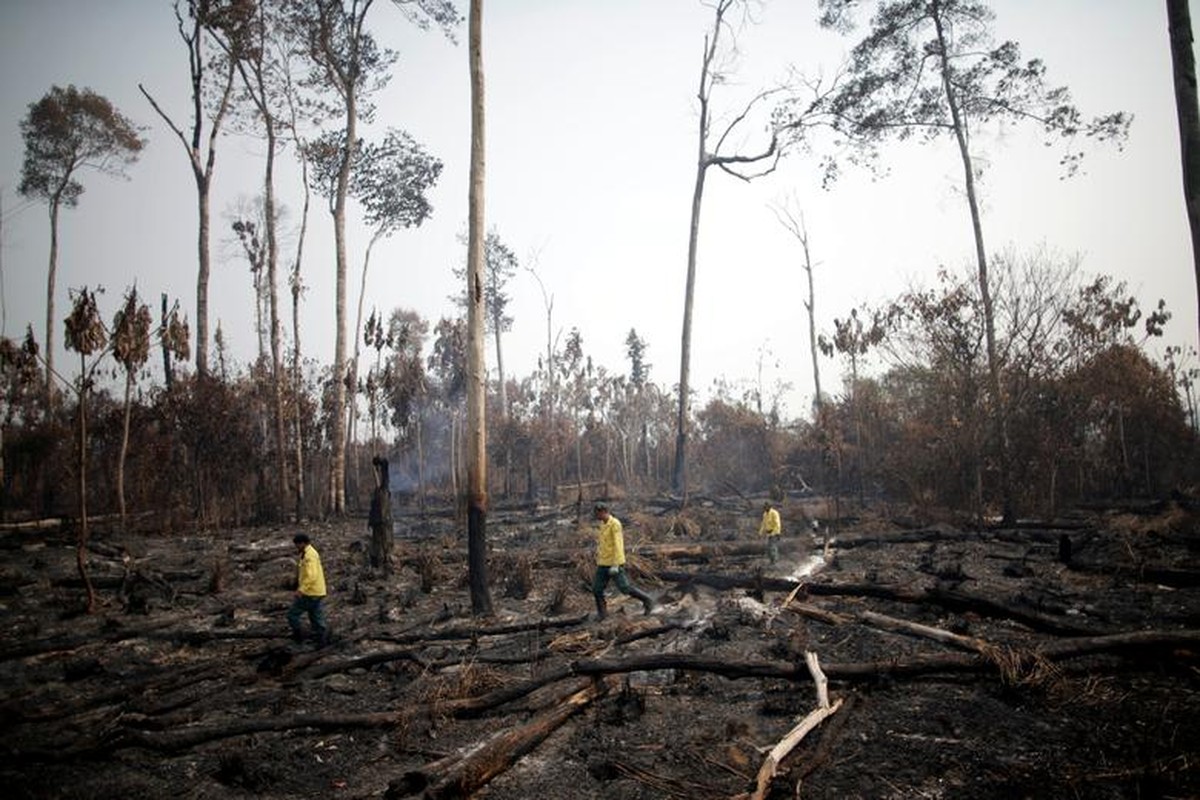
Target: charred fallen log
[949,598]
[462,775]
[476,632]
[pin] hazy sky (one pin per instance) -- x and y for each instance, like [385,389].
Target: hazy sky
[591,126]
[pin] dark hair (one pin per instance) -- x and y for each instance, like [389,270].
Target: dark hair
[301,538]
[596,509]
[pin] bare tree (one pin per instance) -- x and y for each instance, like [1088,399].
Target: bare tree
[391,179]
[210,103]
[500,264]
[477,499]
[793,223]
[710,154]
[1183,63]
[349,64]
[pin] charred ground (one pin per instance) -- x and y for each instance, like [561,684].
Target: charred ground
[1063,661]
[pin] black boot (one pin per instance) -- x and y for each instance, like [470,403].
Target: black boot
[648,602]
[601,607]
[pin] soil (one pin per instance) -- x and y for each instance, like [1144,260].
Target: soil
[1057,661]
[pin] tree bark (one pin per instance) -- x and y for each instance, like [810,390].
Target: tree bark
[1183,64]
[1000,405]
[51,279]
[477,498]
[461,776]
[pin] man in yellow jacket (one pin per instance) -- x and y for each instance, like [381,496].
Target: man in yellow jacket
[771,528]
[610,563]
[310,593]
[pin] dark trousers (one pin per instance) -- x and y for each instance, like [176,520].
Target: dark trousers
[600,581]
[772,547]
[314,607]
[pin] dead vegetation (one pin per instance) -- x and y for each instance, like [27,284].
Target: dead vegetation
[955,663]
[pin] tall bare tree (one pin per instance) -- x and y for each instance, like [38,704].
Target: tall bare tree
[210,98]
[709,153]
[67,131]
[477,497]
[348,63]
[500,264]
[391,179]
[793,222]
[1183,63]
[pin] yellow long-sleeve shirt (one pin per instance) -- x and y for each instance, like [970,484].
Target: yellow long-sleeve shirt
[311,575]
[770,526]
[610,545]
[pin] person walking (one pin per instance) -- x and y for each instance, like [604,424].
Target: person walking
[610,563]
[310,593]
[379,520]
[771,527]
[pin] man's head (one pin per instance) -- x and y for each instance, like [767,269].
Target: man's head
[301,541]
[767,506]
[600,511]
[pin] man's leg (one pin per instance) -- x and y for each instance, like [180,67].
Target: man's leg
[293,617]
[316,615]
[648,603]
[772,549]
[599,583]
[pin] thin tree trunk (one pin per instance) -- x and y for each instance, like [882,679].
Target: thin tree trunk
[81,543]
[277,370]
[1183,63]
[202,274]
[420,466]
[352,379]
[51,278]
[507,489]
[168,372]
[810,308]
[124,448]
[679,478]
[477,499]
[1000,405]
[297,374]
[337,478]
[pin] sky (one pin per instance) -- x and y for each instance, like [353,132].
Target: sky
[591,145]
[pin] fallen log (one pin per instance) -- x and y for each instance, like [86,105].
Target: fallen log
[460,776]
[476,632]
[467,707]
[369,660]
[969,643]
[55,644]
[951,599]
[788,743]
[1137,641]
[183,739]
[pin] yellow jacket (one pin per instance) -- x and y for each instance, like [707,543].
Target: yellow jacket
[771,525]
[610,549]
[311,576]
